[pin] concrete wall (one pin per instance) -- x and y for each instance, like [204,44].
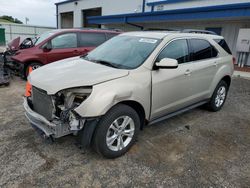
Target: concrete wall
[15,30]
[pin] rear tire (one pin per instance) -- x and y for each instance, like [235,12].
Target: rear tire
[219,97]
[117,131]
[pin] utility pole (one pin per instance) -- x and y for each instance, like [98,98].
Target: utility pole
[26,20]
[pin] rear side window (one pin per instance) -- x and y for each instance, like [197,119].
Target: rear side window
[177,49]
[111,35]
[224,45]
[202,49]
[91,39]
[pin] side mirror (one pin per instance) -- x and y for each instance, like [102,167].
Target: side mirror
[167,63]
[47,47]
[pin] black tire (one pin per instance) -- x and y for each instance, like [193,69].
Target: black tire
[99,140]
[34,66]
[212,103]
[7,84]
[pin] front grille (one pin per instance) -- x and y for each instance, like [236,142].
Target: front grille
[42,103]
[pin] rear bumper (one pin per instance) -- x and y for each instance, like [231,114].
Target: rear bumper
[38,121]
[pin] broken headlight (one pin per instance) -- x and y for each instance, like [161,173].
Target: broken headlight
[71,98]
[65,103]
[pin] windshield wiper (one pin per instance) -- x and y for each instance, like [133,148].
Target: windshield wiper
[106,63]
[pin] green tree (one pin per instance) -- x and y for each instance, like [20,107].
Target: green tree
[11,19]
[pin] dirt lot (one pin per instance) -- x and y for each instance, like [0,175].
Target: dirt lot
[195,149]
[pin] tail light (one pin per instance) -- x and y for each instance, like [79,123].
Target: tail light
[234,60]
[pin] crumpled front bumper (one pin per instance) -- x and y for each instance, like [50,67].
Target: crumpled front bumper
[58,129]
[39,122]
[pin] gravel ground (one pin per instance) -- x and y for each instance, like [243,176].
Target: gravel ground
[195,149]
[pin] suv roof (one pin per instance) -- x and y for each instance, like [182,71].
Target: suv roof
[163,34]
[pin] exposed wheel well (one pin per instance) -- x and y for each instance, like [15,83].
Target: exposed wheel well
[139,109]
[27,64]
[227,79]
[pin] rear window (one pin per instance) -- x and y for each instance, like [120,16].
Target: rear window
[91,39]
[224,45]
[202,49]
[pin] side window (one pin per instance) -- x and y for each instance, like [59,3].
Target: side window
[202,49]
[68,40]
[224,45]
[91,39]
[177,49]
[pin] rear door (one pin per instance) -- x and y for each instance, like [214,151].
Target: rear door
[62,46]
[205,64]
[87,41]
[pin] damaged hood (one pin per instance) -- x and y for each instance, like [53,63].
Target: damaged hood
[14,44]
[72,72]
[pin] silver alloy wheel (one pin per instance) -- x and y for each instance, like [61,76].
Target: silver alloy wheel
[220,97]
[120,133]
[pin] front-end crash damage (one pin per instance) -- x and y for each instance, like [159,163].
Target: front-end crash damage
[65,103]
[55,115]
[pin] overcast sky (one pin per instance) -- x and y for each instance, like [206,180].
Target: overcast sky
[39,12]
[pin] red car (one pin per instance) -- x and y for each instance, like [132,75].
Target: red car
[60,44]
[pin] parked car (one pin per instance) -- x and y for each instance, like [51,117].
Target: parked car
[132,80]
[12,47]
[60,44]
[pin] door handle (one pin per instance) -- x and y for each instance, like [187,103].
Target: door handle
[188,72]
[215,64]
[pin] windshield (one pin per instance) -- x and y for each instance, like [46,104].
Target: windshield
[44,36]
[127,52]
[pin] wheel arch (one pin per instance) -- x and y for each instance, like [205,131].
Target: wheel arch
[27,63]
[227,79]
[138,108]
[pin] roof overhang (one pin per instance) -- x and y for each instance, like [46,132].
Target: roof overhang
[155,3]
[64,2]
[228,11]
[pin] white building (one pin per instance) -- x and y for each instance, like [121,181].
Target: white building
[225,17]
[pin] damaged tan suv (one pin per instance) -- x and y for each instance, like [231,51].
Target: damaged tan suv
[132,80]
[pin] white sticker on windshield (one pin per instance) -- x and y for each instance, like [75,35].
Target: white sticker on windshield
[152,41]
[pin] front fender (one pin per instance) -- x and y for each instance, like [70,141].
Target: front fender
[105,95]
[24,59]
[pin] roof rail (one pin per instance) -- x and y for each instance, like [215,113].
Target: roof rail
[198,31]
[160,29]
[102,29]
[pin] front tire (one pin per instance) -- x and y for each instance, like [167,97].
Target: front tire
[117,131]
[219,97]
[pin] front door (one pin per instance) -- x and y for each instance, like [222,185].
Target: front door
[172,88]
[63,46]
